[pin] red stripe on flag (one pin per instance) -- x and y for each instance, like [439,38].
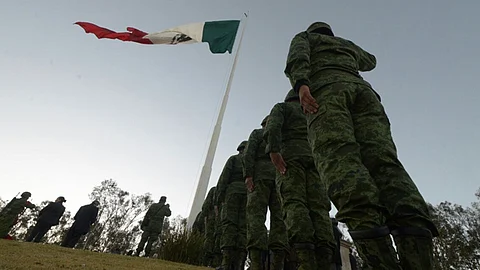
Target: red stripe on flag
[133,35]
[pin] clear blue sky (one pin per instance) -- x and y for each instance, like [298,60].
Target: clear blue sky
[75,110]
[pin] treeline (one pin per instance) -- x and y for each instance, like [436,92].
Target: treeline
[117,229]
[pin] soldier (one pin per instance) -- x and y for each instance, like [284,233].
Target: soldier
[198,225]
[84,219]
[354,152]
[47,217]
[303,194]
[231,194]
[10,213]
[209,221]
[259,174]
[152,225]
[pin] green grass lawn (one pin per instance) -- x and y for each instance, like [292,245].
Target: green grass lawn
[20,255]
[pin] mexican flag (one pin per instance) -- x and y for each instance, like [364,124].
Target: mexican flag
[220,35]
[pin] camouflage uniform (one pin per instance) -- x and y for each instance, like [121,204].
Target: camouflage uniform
[209,225]
[354,151]
[302,193]
[217,251]
[232,195]
[264,194]
[198,225]
[152,225]
[10,213]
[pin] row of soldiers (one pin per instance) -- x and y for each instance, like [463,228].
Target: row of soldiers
[86,216]
[329,141]
[48,217]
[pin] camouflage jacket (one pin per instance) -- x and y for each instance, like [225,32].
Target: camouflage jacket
[286,131]
[256,160]
[153,220]
[208,204]
[317,60]
[16,207]
[231,178]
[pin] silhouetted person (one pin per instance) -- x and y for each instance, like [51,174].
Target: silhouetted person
[49,216]
[84,218]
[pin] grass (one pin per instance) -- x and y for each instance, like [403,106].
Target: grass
[21,255]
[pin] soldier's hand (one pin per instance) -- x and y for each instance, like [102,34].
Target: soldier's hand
[216,210]
[279,163]
[249,183]
[307,101]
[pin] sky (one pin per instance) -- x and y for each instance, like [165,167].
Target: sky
[75,110]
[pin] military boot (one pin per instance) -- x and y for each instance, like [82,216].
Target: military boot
[277,261]
[217,259]
[256,259]
[228,256]
[305,256]
[240,260]
[324,258]
[415,247]
[376,248]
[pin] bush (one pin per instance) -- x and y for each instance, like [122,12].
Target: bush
[181,245]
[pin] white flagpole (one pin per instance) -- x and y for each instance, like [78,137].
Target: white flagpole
[207,167]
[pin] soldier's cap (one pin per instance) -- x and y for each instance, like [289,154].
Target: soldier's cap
[163,198]
[317,25]
[26,194]
[242,145]
[96,203]
[291,95]
[62,199]
[264,121]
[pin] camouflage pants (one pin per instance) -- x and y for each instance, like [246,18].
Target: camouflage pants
[355,153]
[305,204]
[6,224]
[265,195]
[151,237]
[233,221]
[209,241]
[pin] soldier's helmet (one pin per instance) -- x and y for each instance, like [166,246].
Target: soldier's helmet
[242,145]
[96,203]
[264,121]
[163,199]
[26,194]
[320,25]
[291,95]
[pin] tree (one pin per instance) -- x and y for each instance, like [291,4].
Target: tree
[117,228]
[458,246]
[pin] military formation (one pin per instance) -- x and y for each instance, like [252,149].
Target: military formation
[84,219]
[328,142]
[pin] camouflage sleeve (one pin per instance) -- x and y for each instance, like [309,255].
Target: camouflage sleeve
[249,155]
[298,62]
[366,61]
[273,131]
[223,182]
[208,203]
[168,212]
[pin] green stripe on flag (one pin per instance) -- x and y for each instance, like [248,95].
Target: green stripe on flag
[220,35]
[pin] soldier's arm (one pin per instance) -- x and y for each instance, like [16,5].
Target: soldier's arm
[168,212]
[366,60]
[207,204]
[273,131]
[249,155]
[298,62]
[223,182]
